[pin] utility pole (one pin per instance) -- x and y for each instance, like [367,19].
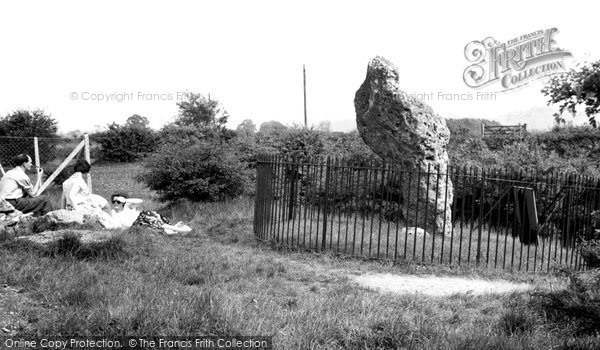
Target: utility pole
[304,76]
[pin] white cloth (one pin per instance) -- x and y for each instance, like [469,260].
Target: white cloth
[76,196]
[125,217]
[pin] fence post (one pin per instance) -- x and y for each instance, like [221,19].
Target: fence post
[325,207]
[292,200]
[480,219]
[86,151]
[36,153]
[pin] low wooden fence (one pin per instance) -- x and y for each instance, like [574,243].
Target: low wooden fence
[500,219]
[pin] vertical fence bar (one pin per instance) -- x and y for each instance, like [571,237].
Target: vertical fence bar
[350,206]
[381,189]
[425,218]
[472,214]
[314,206]
[390,215]
[462,213]
[522,212]
[563,188]
[417,213]
[435,213]
[364,204]
[343,201]
[286,203]
[372,195]
[334,202]
[274,188]
[282,202]
[445,214]
[326,203]
[453,218]
[357,212]
[258,199]
[86,152]
[406,211]
[480,219]
[307,200]
[398,179]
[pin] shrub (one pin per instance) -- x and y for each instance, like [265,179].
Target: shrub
[590,252]
[200,171]
[126,143]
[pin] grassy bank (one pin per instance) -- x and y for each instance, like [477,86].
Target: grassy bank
[218,280]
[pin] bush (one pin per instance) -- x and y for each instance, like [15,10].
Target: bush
[126,143]
[207,170]
[590,252]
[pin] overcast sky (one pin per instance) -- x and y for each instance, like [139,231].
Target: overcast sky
[63,56]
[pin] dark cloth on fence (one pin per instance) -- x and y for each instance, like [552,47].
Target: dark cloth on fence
[37,205]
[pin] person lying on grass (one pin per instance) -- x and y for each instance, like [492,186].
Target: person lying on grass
[126,213]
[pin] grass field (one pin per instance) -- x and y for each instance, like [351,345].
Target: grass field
[218,280]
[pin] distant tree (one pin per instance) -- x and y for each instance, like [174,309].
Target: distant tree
[201,112]
[580,85]
[272,127]
[23,123]
[246,129]
[137,121]
[126,143]
[324,126]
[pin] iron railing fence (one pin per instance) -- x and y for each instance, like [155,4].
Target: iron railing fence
[499,218]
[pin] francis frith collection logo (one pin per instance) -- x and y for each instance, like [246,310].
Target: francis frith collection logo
[514,63]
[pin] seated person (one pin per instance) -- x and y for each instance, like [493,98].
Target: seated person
[16,188]
[76,194]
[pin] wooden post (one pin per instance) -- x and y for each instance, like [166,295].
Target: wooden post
[61,167]
[86,151]
[482,130]
[304,80]
[36,152]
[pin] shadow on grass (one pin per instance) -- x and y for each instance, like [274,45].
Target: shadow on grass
[576,308]
[71,247]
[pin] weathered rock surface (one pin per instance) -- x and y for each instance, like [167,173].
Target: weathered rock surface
[52,221]
[85,236]
[404,130]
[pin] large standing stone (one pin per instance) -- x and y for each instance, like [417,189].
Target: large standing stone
[403,129]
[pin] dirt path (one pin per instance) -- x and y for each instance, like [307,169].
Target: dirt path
[434,285]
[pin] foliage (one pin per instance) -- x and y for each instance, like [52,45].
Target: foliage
[137,121]
[201,112]
[272,127]
[247,128]
[200,171]
[126,143]
[581,85]
[23,123]
[590,252]
[26,125]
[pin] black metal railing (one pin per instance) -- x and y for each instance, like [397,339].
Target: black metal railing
[499,218]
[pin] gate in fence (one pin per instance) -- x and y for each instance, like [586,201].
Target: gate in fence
[500,219]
